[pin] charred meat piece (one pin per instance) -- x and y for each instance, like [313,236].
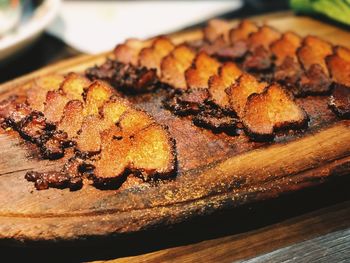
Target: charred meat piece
[74,86]
[72,118]
[239,92]
[188,102]
[313,51]
[263,37]
[285,47]
[340,101]
[258,60]
[215,29]
[288,74]
[152,153]
[217,121]
[124,77]
[151,57]
[242,31]
[218,83]
[13,112]
[235,51]
[174,65]
[314,81]
[54,106]
[67,177]
[128,52]
[36,94]
[89,140]
[272,110]
[97,94]
[339,68]
[53,147]
[34,127]
[148,152]
[202,69]
[342,52]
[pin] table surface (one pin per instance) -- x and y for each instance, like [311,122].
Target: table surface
[239,234]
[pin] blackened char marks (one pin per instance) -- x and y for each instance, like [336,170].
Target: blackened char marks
[124,77]
[340,101]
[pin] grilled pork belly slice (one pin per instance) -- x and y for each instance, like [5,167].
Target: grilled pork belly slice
[313,51]
[124,77]
[215,29]
[227,75]
[239,92]
[339,67]
[272,110]
[36,94]
[340,101]
[242,31]
[174,65]
[128,52]
[202,69]
[151,57]
[285,47]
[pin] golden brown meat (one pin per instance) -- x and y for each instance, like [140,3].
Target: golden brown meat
[36,95]
[285,47]
[313,51]
[272,110]
[218,83]
[151,57]
[174,65]
[54,106]
[97,94]
[239,92]
[72,118]
[128,51]
[342,52]
[74,86]
[340,101]
[264,37]
[242,31]
[215,29]
[202,69]
[339,68]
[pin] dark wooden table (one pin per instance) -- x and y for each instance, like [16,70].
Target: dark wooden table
[269,231]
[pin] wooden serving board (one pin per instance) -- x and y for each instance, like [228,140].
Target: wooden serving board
[215,171]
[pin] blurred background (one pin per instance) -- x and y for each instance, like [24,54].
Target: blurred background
[35,33]
[50,30]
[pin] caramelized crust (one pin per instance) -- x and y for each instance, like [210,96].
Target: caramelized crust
[132,121]
[340,101]
[202,69]
[242,31]
[285,47]
[218,83]
[110,168]
[97,94]
[263,37]
[128,52]
[74,86]
[342,52]
[72,118]
[174,65]
[314,51]
[215,29]
[89,140]
[151,57]
[152,152]
[54,106]
[113,110]
[339,68]
[36,95]
[314,81]
[239,92]
[272,110]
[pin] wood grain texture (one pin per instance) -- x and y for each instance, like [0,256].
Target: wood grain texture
[215,171]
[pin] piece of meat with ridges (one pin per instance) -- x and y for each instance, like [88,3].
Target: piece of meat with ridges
[339,101]
[270,111]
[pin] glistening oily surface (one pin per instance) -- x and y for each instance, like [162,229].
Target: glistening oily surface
[200,183]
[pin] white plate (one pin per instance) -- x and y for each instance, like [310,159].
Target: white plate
[29,29]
